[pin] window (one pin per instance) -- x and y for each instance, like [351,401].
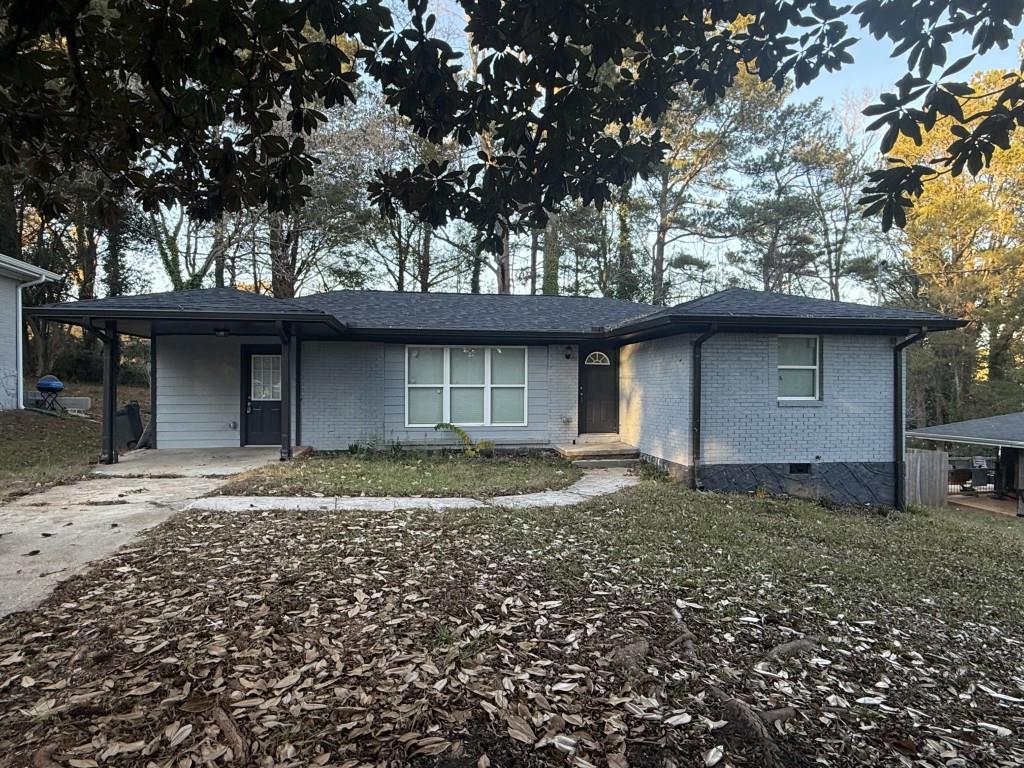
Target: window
[597,358]
[468,386]
[265,377]
[799,368]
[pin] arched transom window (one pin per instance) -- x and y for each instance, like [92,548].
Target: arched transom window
[597,358]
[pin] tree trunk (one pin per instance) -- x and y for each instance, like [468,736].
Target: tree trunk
[10,242]
[626,284]
[114,275]
[283,248]
[423,265]
[534,250]
[658,288]
[218,259]
[477,269]
[552,257]
[504,263]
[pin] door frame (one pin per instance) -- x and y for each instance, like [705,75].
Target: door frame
[245,385]
[613,356]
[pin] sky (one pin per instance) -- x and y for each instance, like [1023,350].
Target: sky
[873,70]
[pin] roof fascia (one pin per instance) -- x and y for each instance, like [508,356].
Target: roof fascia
[965,440]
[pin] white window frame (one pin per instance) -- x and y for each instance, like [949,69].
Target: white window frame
[816,367]
[446,386]
[252,370]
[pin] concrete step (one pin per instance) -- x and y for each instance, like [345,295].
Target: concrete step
[604,463]
[593,438]
[598,451]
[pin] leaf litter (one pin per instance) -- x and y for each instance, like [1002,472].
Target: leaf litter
[480,639]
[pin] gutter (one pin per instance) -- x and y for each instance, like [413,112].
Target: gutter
[695,403]
[898,417]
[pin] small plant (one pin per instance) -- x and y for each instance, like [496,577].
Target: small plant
[469,448]
[354,449]
[396,449]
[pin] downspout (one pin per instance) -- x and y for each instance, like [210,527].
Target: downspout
[899,456]
[695,400]
[20,354]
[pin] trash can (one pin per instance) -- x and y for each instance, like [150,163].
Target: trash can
[128,425]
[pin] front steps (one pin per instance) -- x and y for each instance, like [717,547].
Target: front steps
[599,451]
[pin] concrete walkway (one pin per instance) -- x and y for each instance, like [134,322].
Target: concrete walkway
[597,482]
[49,536]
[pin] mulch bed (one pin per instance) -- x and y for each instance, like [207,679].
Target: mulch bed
[474,639]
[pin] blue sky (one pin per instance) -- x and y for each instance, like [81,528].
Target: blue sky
[874,71]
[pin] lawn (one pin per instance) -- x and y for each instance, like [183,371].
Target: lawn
[655,627]
[38,450]
[414,474]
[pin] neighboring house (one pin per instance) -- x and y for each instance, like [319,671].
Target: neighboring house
[14,276]
[739,390]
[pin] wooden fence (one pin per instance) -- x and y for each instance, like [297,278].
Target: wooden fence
[927,477]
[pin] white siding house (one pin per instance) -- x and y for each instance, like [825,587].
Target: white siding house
[14,276]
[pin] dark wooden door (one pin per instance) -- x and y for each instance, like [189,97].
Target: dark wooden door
[599,390]
[261,395]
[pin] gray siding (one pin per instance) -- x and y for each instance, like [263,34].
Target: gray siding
[10,327]
[199,390]
[654,398]
[355,392]
[743,423]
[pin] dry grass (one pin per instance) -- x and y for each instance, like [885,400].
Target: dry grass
[655,627]
[38,450]
[411,474]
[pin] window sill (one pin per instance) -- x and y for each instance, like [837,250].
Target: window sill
[800,403]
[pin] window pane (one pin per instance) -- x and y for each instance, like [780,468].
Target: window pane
[467,405]
[425,405]
[508,405]
[796,383]
[508,366]
[266,377]
[467,365]
[426,365]
[798,351]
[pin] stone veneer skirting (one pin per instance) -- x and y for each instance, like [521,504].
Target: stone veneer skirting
[845,482]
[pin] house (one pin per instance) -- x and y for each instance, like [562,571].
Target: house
[14,276]
[739,390]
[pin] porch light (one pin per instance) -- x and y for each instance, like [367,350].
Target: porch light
[221,332]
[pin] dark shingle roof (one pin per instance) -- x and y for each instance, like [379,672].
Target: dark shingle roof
[206,300]
[1006,430]
[745,303]
[388,310]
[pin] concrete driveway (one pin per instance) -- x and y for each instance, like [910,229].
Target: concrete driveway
[49,536]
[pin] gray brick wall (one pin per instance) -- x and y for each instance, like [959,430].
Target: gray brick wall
[654,397]
[743,422]
[355,392]
[342,397]
[10,325]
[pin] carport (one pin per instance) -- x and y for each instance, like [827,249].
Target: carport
[215,313]
[1005,433]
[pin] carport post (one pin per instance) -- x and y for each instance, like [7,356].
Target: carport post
[111,363]
[285,332]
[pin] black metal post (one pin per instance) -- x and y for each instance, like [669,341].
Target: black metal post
[286,391]
[695,403]
[111,363]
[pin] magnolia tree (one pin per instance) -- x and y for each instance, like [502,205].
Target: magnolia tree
[179,103]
